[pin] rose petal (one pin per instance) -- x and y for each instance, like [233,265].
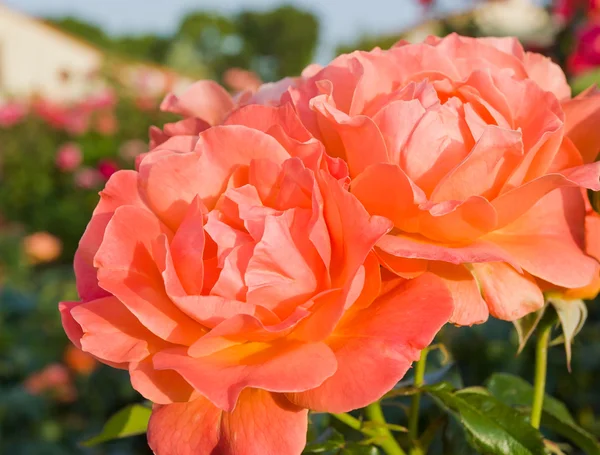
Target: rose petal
[375,346]
[262,423]
[282,366]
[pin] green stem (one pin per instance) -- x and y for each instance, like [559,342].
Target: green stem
[539,385]
[352,422]
[413,415]
[385,439]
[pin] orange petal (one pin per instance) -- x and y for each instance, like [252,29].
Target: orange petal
[71,326]
[416,247]
[547,74]
[158,386]
[205,99]
[127,269]
[280,366]
[262,423]
[354,133]
[112,333]
[278,275]
[399,205]
[469,306]
[485,169]
[548,240]
[508,294]
[582,118]
[121,189]
[375,346]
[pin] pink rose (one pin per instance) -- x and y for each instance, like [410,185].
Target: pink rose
[11,114]
[106,168]
[87,178]
[206,104]
[475,151]
[53,379]
[233,276]
[69,157]
[586,55]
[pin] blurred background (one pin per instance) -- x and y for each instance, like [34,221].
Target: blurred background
[80,84]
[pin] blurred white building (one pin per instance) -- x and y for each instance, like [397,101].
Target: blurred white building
[38,59]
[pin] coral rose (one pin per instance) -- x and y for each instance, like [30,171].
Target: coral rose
[475,151]
[206,104]
[233,276]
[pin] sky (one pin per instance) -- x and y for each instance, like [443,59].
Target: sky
[341,20]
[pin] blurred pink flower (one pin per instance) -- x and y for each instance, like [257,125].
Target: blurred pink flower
[55,379]
[103,100]
[11,113]
[240,80]
[87,178]
[106,168]
[146,103]
[129,150]
[69,157]
[106,123]
[587,51]
[564,10]
[73,119]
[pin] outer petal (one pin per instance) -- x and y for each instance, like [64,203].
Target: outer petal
[548,240]
[375,346]
[158,386]
[509,294]
[582,119]
[469,306]
[283,366]
[70,325]
[111,332]
[514,203]
[127,270]
[547,74]
[417,247]
[262,423]
[121,189]
[205,99]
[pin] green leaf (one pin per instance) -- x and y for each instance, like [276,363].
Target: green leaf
[359,449]
[515,391]
[583,82]
[574,433]
[493,427]
[330,440]
[572,315]
[130,421]
[526,326]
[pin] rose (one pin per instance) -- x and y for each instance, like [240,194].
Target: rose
[474,149]
[582,116]
[54,379]
[42,247]
[69,157]
[237,284]
[206,103]
[586,55]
